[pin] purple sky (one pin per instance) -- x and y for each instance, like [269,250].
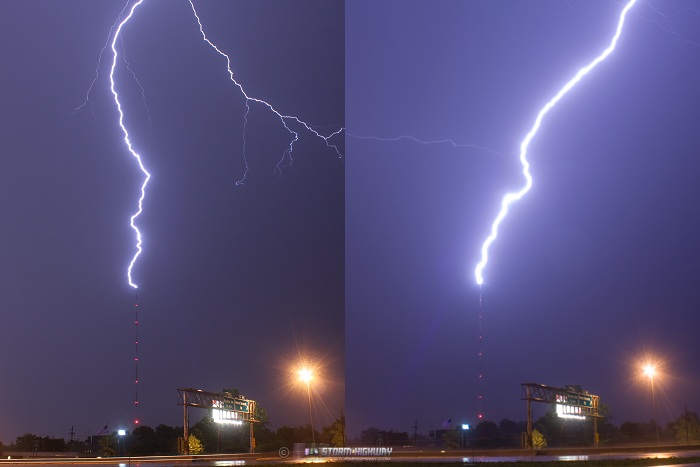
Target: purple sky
[235,282]
[364,263]
[596,266]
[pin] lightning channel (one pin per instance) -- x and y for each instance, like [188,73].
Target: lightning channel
[127,141]
[664,22]
[288,155]
[87,100]
[292,124]
[138,83]
[512,197]
[416,140]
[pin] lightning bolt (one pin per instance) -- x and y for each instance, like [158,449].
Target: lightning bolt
[292,124]
[138,83]
[127,141]
[87,100]
[284,119]
[413,139]
[512,197]
[664,22]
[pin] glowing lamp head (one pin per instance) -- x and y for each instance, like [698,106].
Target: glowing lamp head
[305,375]
[649,370]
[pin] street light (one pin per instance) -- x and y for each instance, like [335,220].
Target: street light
[463,435]
[121,434]
[650,371]
[306,376]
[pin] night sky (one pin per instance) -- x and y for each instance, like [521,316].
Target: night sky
[363,264]
[595,268]
[236,282]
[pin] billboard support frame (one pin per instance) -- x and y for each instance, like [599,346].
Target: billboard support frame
[587,405]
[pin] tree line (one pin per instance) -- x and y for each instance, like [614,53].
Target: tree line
[206,437]
[210,437]
[549,430]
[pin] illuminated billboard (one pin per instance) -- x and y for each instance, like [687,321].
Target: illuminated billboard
[569,405]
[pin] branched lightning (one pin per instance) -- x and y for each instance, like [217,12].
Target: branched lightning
[245,143]
[287,156]
[512,197]
[127,141]
[429,142]
[664,23]
[138,83]
[289,122]
[99,63]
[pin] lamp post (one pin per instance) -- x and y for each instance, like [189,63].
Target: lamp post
[120,436]
[650,371]
[306,376]
[463,436]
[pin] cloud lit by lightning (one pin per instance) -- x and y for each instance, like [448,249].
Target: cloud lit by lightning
[292,124]
[512,197]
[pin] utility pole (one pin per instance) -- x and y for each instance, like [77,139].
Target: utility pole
[252,438]
[528,435]
[185,426]
[415,430]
